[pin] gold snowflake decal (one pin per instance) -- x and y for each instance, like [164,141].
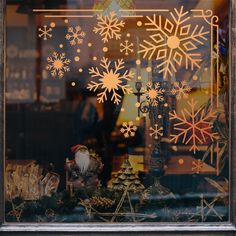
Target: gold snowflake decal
[45,32]
[197,166]
[109,27]
[173,41]
[181,89]
[153,93]
[110,80]
[75,35]
[128,129]
[126,47]
[156,132]
[196,130]
[58,64]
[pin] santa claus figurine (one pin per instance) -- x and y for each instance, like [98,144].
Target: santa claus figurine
[84,169]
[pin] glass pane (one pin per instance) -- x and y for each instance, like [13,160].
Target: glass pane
[117,111]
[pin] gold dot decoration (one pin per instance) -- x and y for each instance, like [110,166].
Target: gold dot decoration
[148,69]
[137,118]
[137,104]
[195,77]
[128,35]
[159,116]
[139,23]
[90,44]
[66,21]
[105,49]
[181,161]
[52,24]
[61,45]
[138,62]
[73,84]
[78,50]
[166,105]
[95,58]
[80,70]
[139,77]
[122,109]
[77,58]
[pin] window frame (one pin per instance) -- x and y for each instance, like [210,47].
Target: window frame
[158,228]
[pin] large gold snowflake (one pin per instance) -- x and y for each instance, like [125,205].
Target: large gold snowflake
[153,93]
[196,130]
[58,64]
[173,41]
[109,27]
[75,35]
[110,80]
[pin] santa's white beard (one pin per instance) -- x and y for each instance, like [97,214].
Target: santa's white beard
[82,160]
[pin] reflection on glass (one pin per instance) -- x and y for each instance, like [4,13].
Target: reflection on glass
[117,111]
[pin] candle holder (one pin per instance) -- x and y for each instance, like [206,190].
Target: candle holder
[158,157]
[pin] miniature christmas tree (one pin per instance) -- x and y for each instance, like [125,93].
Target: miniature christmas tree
[127,179]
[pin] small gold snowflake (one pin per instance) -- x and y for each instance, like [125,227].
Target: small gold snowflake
[153,94]
[156,132]
[58,64]
[197,166]
[75,35]
[126,47]
[128,129]
[109,27]
[45,32]
[181,89]
[110,80]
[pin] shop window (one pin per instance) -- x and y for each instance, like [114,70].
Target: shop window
[117,112]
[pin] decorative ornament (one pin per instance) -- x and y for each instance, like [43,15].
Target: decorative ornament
[75,35]
[127,179]
[110,80]
[99,202]
[173,41]
[156,132]
[153,93]
[128,129]
[49,213]
[27,181]
[196,129]
[109,27]
[207,209]
[222,187]
[83,170]
[58,64]
[181,89]
[126,47]
[17,211]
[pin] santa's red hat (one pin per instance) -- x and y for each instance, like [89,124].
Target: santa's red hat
[77,147]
